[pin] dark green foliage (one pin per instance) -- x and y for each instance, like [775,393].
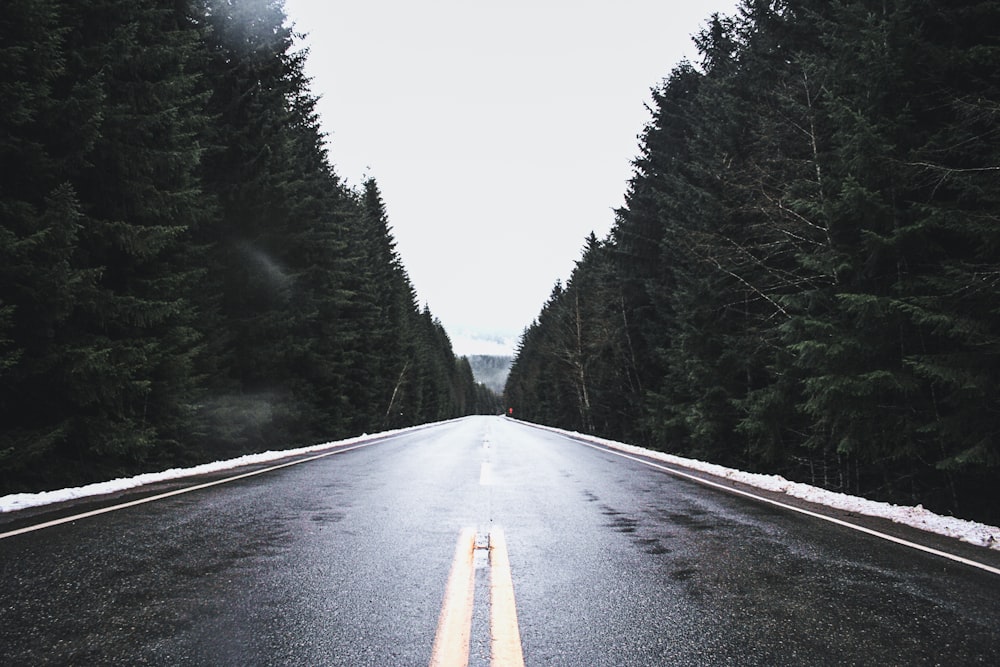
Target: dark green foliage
[140,198]
[182,275]
[100,281]
[575,367]
[39,282]
[807,259]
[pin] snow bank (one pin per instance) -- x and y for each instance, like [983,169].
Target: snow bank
[18,501]
[972,532]
[967,531]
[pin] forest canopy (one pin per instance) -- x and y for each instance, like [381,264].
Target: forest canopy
[804,276]
[182,274]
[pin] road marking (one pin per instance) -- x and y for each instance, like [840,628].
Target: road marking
[486,474]
[505,637]
[451,643]
[177,492]
[800,510]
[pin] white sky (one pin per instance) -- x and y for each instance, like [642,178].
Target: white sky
[501,134]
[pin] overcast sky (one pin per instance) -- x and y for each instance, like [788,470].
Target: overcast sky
[501,134]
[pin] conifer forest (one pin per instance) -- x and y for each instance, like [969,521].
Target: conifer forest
[805,276]
[183,276]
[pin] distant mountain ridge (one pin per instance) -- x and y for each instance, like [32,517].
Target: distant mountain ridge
[491,370]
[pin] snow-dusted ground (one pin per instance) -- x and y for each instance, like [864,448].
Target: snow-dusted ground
[967,531]
[19,501]
[972,532]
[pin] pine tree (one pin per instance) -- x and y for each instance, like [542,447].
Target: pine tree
[39,223]
[389,298]
[952,171]
[41,289]
[806,260]
[254,152]
[106,195]
[140,197]
[542,386]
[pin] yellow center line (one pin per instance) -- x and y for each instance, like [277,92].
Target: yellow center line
[451,644]
[505,643]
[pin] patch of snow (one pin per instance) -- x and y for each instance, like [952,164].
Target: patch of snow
[19,501]
[973,532]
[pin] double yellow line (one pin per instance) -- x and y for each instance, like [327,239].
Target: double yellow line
[451,644]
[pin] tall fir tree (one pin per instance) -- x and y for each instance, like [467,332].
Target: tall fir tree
[41,280]
[807,254]
[141,198]
[113,193]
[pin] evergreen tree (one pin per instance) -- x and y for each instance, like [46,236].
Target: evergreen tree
[541,386]
[182,274]
[390,296]
[40,281]
[105,197]
[263,139]
[952,169]
[805,260]
[140,196]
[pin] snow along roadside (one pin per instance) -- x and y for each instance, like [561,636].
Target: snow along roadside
[972,532]
[980,534]
[20,501]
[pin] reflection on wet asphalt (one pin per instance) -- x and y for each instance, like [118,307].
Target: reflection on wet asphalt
[343,561]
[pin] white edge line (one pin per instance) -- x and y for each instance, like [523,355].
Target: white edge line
[800,510]
[177,492]
[964,530]
[15,502]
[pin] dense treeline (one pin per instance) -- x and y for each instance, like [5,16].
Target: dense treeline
[182,274]
[804,278]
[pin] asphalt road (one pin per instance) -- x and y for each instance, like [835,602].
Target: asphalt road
[344,561]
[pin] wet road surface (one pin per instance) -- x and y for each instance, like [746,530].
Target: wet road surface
[345,560]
